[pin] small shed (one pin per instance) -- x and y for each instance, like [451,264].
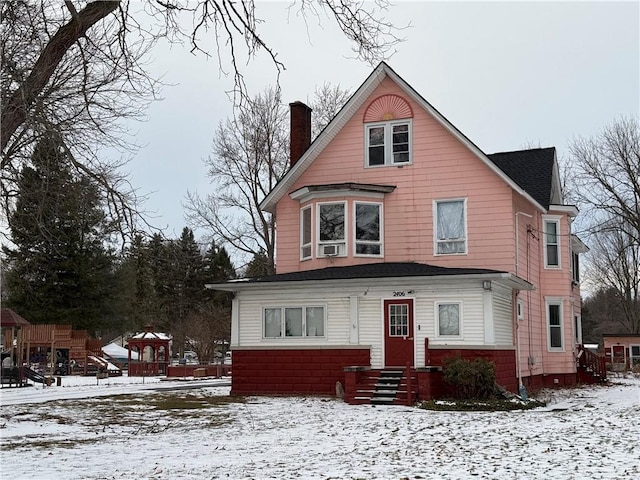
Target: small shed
[622,351]
[152,349]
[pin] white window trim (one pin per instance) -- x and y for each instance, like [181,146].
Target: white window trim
[559,301]
[282,309]
[342,244]
[310,244]
[388,142]
[633,358]
[520,309]
[436,316]
[356,241]
[575,267]
[552,219]
[435,226]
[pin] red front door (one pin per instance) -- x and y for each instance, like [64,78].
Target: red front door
[398,337]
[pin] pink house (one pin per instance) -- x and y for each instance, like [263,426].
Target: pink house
[401,243]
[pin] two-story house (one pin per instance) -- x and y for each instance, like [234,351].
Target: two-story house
[400,243]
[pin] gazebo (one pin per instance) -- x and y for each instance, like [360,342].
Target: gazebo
[153,352]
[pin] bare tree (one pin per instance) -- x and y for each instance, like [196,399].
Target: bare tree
[615,267]
[77,67]
[327,101]
[209,332]
[66,74]
[250,155]
[607,176]
[606,185]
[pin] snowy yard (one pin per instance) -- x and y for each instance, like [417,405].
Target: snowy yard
[121,429]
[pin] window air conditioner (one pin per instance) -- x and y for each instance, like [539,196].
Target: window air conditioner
[330,250]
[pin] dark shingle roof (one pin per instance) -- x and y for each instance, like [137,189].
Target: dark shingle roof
[371,270]
[531,169]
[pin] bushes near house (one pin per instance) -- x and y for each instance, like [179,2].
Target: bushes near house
[472,379]
[489,405]
[475,389]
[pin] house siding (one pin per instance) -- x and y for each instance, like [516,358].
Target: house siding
[370,316]
[503,315]
[442,168]
[504,232]
[251,307]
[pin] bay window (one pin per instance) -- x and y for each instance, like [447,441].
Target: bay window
[368,236]
[331,229]
[305,233]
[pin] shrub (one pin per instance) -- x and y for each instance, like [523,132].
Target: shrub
[493,405]
[472,379]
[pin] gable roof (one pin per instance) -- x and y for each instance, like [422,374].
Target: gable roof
[533,170]
[381,72]
[382,270]
[9,318]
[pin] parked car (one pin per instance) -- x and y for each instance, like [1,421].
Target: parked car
[191,357]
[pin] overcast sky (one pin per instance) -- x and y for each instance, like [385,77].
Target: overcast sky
[507,74]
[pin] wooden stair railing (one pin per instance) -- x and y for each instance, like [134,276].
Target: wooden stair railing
[593,363]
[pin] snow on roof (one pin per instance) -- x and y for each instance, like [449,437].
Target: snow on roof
[116,351]
[151,336]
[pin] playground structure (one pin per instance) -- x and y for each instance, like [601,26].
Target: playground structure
[40,352]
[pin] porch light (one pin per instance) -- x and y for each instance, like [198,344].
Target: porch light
[486,284]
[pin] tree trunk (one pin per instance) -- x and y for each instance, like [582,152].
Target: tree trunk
[14,112]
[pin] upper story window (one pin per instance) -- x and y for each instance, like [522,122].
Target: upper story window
[331,229]
[388,143]
[575,267]
[552,243]
[368,228]
[450,227]
[305,233]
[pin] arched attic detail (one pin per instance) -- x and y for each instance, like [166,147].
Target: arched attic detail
[388,107]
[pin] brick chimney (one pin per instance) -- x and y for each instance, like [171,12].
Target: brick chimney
[300,130]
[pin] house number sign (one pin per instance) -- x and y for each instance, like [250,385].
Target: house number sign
[399,294]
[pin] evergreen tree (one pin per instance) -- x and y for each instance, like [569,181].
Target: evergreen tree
[259,266]
[210,328]
[184,293]
[59,270]
[140,302]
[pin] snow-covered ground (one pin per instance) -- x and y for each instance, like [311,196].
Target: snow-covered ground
[122,428]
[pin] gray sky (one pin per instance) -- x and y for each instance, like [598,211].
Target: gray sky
[508,75]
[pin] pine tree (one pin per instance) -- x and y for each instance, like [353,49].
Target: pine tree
[59,270]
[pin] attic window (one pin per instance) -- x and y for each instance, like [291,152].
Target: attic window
[388,143]
[388,131]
